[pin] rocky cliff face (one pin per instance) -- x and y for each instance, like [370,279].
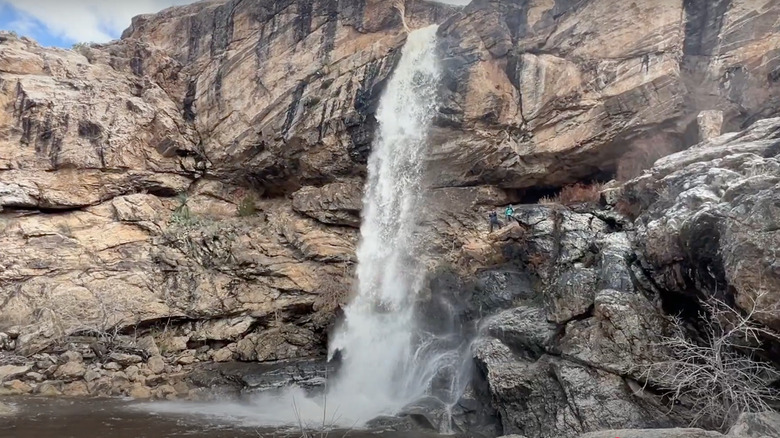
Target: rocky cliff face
[575,85]
[223,102]
[200,180]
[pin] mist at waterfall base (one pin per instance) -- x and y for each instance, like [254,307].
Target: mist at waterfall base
[390,354]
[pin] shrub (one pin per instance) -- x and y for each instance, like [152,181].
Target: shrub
[721,375]
[247,206]
[182,215]
[576,194]
[84,49]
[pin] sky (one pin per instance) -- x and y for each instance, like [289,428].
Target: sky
[63,23]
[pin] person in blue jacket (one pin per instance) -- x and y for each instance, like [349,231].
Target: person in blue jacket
[509,212]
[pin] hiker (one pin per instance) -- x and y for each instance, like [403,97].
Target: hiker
[509,212]
[494,220]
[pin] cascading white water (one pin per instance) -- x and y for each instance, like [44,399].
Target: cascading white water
[387,361]
[379,374]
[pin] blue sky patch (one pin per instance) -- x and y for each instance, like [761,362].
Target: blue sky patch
[27,25]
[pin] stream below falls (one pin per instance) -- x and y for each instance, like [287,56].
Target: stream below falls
[62,418]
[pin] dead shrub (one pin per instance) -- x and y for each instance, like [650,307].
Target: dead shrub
[720,373]
[334,293]
[579,193]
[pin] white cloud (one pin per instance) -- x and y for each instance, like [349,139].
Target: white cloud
[88,20]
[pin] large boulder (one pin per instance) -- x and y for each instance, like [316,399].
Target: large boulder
[551,397]
[710,223]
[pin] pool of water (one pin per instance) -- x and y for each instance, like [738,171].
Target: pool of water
[61,418]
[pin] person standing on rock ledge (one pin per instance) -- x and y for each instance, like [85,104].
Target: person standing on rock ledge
[494,220]
[509,212]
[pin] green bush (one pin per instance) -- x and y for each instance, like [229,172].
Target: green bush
[182,215]
[247,206]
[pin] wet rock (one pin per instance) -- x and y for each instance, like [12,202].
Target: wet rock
[100,387]
[10,372]
[498,289]
[550,397]
[389,423]
[284,343]
[70,370]
[614,252]
[47,389]
[181,388]
[75,389]
[253,376]
[654,433]
[165,392]
[428,413]
[555,235]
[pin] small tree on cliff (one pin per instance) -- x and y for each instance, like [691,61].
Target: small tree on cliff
[722,374]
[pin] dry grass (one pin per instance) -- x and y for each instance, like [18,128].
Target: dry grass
[576,194]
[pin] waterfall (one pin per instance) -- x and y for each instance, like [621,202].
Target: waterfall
[387,359]
[379,372]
